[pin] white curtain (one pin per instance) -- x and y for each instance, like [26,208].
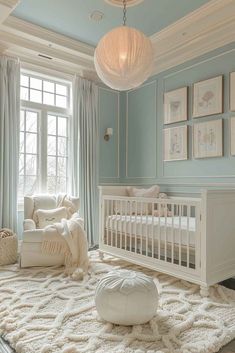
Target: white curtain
[85,147]
[9,140]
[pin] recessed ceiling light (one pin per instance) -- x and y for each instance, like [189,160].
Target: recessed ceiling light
[96,16]
[120,2]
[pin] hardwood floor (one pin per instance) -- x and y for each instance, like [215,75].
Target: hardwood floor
[230,348]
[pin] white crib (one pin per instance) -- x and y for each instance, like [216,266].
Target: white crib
[192,238]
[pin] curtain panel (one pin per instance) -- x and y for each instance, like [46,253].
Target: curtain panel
[85,155]
[9,140]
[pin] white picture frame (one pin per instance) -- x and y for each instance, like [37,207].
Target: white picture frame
[208,139]
[176,105]
[176,143]
[208,97]
[232,136]
[232,92]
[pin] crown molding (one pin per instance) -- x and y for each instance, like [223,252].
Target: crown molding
[203,30]
[194,48]
[36,47]
[33,32]
[27,41]
[10,3]
[193,17]
[6,7]
[2,48]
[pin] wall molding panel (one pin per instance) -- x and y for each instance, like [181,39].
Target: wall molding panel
[109,157]
[198,173]
[127,124]
[190,123]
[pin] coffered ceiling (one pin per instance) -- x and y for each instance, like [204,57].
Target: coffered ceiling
[72,17]
[60,35]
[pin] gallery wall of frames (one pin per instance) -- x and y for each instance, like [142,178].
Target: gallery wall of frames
[178,128]
[207,136]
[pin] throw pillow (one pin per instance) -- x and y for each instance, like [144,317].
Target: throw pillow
[47,217]
[152,192]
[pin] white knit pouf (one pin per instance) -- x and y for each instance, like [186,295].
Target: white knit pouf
[126,298]
[8,250]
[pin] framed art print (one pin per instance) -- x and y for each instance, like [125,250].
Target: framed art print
[232,136]
[232,91]
[176,143]
[208,139]
[175,105]
[208,97]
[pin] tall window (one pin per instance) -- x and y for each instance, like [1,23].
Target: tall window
[44,126]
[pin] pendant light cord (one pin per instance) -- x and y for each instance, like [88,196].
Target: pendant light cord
[124,12]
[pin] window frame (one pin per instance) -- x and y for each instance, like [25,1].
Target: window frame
[38,142]
[49,79]
[43,111]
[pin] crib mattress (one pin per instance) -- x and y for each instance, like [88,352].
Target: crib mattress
[180,230]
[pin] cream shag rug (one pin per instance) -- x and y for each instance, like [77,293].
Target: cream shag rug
[43,311]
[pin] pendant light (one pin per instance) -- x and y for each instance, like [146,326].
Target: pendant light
[124,57]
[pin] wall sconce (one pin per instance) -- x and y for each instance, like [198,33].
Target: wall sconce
[108,133]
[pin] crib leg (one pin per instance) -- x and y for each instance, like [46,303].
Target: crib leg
[101,255]
[204,291]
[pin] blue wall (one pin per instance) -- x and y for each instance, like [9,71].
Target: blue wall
[109,116]
[141,130]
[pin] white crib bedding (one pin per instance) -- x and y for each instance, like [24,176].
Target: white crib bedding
[144,226]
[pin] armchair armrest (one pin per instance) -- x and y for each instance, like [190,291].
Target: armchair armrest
[29,224]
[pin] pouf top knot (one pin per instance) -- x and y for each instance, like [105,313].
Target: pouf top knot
[126,297]
[126,282]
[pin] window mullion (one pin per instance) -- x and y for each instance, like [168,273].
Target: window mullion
[57,141]
[43,150]
[24,151]
[69,153]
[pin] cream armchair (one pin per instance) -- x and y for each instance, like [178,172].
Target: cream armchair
[31,254]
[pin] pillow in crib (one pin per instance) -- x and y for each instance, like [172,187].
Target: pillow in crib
[47,217]
[152,192]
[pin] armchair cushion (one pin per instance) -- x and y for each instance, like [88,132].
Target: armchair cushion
[46,202]
[33,236]
[44,218]
[29,224]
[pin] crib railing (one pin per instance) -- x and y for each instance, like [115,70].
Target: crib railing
[162,230]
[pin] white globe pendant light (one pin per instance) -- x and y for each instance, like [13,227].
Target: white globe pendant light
[124,57]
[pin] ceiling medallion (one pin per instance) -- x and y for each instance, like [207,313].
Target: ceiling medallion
[96,16]
[120,2]
[124,57]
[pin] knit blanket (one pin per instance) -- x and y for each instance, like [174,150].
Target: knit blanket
[69,239]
